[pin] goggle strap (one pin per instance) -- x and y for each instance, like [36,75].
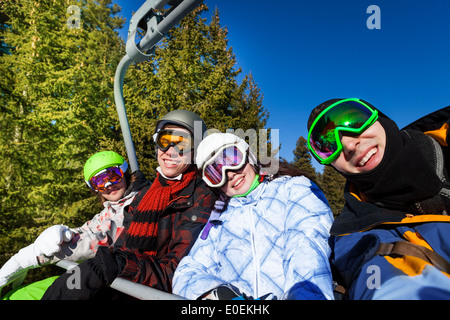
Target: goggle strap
[124,167]
[89,185]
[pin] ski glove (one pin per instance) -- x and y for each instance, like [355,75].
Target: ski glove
[19,263]
[95,275]
[222,292]
[48,243]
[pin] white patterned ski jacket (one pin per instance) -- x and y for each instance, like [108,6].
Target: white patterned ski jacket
[273,241]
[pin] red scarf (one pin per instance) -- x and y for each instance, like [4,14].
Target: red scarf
[143,230]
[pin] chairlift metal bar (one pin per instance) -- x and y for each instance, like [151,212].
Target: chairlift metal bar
[156,25]
[136,290]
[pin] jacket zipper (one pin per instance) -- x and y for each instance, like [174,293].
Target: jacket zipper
[255,257]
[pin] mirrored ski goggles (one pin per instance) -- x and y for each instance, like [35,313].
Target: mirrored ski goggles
[180,140]
[349,115]
[227,158]
[105,178]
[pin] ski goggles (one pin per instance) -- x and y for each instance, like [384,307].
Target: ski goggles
[349,115]
[105,178]
[226,158]
[180,140]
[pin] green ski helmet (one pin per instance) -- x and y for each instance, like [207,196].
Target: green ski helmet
[102,160]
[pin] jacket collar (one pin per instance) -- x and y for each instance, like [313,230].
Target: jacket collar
[252,197]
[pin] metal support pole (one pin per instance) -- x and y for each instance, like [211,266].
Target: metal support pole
[120,105]
[156,25]
[142,292]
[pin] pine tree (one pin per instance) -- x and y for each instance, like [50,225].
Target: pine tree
[332,184]
[54,99]
[302,158]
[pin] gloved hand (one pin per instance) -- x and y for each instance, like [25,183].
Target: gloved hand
[95,275]
[48,243]
[25,259]
[230,292]
[223,292]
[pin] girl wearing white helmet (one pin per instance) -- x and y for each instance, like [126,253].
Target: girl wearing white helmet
[268,239]
[107,176]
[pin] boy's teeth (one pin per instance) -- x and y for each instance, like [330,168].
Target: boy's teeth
[367,157]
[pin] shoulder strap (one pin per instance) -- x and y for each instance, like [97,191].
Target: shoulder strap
[405,248]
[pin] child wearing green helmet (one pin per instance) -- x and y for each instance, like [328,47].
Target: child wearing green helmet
[106,174]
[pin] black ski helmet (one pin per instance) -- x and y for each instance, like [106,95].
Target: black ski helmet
[184,118]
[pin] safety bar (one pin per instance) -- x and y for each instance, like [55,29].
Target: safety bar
[136,290]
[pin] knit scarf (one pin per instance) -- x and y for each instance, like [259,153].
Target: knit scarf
[142,233]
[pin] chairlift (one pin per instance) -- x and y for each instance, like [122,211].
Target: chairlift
[155,24]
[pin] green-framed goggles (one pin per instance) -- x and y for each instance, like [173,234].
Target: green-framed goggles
[349,115]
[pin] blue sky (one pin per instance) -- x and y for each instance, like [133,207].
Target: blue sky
[304,52]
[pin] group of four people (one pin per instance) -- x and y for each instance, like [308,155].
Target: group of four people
[219,227]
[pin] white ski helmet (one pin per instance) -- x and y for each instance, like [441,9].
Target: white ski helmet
[210,147]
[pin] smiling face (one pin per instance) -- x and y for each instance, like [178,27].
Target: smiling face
[239,182]
[172,163]
[362,153]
